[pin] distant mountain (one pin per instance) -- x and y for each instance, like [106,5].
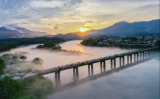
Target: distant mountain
[118,29]
[72,36]
[130,29]
[12,31]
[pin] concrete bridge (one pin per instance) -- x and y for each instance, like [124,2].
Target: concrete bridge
[138,56]
[96,76]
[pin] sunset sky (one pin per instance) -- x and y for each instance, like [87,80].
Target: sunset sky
[64,16]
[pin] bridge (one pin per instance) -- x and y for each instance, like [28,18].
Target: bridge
[138,55]
[96,76]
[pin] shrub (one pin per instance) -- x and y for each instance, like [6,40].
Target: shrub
[23,57]
[28,70]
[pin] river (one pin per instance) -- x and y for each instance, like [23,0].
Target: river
[138,82]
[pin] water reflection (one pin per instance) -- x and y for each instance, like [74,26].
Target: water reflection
[80,49]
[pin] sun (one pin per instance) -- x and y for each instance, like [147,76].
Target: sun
[83,29]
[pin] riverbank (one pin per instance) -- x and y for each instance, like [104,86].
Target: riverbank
[29,88]
[17,67]
[123,47]
[123,42]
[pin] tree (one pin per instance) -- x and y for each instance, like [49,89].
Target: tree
[39,46]
[9,88]
[110,42]
[58,47]
[23,57]
[2,66]
[158,43]
[134,38]
[14,57]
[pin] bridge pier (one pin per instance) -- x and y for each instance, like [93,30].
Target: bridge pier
[123,61]
[113,59]
[75,73]
[147,54]
[104,66]
[127,59]
[101,67]
[134,57]
[140,56]
[143,55]
[57,78]
[114,62]
[120,61]
[137,57]
[90,71]
[111,63]
[130,58]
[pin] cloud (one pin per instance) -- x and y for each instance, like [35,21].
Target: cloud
[89,22]
[87,27]
[73,3]
[56,27]
[13,27]
[64,4]
[46,4]
[92,13]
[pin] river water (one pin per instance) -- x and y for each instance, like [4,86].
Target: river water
[138,82]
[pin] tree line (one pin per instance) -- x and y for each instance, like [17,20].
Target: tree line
[7,44]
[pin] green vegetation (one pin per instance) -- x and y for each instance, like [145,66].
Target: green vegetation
[23,57]
[86,41]
[31,88]
[2,66]
[58,47]
[131,38]
[51,45]
[158,43]
[9,88]
[37,61]
[14,57]
[7,44]
[36,87]
[28,70]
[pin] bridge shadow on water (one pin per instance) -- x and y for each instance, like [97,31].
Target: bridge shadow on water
[60,88]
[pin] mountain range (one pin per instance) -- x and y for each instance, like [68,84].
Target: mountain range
[12,31]
[122,28]
[130,29]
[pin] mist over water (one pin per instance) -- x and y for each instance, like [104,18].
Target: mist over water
[138,82]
